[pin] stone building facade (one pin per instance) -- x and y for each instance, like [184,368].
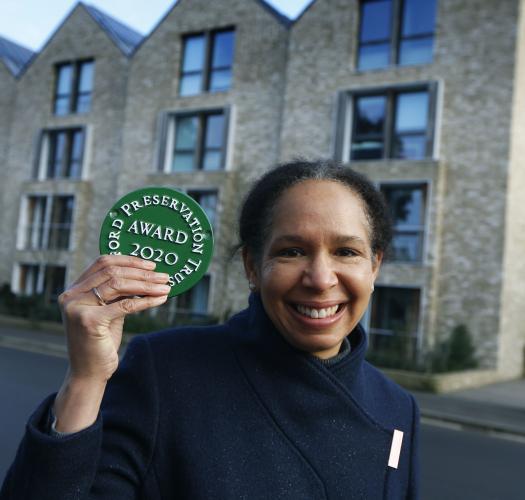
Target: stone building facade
[425,98]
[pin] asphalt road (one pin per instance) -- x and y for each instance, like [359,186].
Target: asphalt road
[456,465]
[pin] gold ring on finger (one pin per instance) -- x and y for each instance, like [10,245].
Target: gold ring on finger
[101,301]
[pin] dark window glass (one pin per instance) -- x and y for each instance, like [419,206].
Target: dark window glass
[375,34]
[57,149]
[212,159]
[394,322]
[184,157]
[63,89]
[28,280]
[66,149]
[74,87]
[407,204]
[195,301]
[199,142]
[193,65]
[74,166]
[85,86]
[49,221]
[369,127]
[396,31]
[36,216]
[417,33]
[222,60]
[410,130]
[47,280]
[54,282]
[60,225]
[208,201]
[207,62]
[394,124]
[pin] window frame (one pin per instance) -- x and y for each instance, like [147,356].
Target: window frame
[345,122]
[41,283]
[422,229]
[207,69]
[396,37]
[204,191]
[37,237]
[416,335]
[46,145]
[74,86]
[168,133]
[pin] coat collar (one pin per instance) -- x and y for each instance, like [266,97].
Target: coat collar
[264,336]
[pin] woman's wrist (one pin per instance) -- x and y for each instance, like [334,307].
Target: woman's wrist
[78,403]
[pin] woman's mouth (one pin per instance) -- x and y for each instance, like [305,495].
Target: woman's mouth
[317,313]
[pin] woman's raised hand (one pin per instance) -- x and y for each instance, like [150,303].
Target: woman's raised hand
[93,310]
[94,324]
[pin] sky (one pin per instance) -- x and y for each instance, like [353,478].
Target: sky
[31,22]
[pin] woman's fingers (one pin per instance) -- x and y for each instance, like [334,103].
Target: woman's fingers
[121,287]
[130,305]
[114,277]
[111,261]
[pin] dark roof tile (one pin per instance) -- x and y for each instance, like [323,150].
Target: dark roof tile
[14,56]
[126,39]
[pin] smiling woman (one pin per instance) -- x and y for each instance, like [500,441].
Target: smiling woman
[317,268]
[278,402]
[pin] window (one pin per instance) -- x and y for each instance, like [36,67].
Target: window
[207,62]
[394,321]
[47,280]
[194,302]
[407,204]
[394,123]
[61,154]
[28,279]
[396,32]
[48,221]
[74,87]
[199,141]
[208,201]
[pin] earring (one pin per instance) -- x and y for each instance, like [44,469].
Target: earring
[252,286]
[372,288]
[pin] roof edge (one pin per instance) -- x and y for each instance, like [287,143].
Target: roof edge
[132,50]
[284,20]
[303,12]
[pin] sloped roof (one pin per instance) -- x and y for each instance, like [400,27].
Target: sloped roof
[14,56]
[126,39]
[280,17]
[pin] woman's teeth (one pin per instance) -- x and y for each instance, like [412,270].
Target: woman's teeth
[317,313]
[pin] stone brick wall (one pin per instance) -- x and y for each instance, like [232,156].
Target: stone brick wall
[283,104]
[511,348]
[80,37]
[461,274]
[254,101]
[7,97]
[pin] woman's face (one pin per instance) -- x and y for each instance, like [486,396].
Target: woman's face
[316,273]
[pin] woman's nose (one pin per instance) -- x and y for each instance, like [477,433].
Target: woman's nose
[320,274]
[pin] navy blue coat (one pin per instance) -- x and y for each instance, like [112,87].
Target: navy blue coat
[228,412]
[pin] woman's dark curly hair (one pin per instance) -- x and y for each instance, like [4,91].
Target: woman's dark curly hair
[257,210]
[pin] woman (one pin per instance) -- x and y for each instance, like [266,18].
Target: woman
[277,403]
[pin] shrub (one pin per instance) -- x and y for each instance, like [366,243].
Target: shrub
[456,353]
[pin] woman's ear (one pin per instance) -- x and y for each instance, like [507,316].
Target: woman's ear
[250,268]
[377,259]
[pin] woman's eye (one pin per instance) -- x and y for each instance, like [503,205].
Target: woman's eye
[290,252]
[346,252]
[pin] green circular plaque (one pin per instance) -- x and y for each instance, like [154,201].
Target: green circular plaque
[164,226]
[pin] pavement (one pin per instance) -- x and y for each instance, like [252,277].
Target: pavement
[497,409]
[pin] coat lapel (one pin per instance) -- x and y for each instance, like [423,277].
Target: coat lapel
[316,411]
